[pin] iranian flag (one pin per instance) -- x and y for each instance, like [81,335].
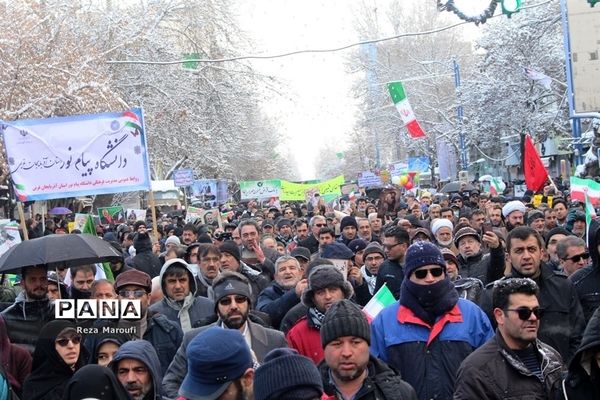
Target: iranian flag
[495,187]
[406,112]
[590,213]
[582,188]
[378,302]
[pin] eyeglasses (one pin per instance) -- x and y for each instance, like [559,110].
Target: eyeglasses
[435,272]
[64,342]
[320,225]
[578,257]
[525,312]
[371,259]
[135,293]
[238,299]
[390,246]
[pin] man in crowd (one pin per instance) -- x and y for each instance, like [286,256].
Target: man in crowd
[430,331]
[145,260]
[376,223]
[179,303]
[312,242]
[349,229]
[32,308]
[562,211]
[535,220]
[552,238]
[231,261]
[103,289]
[442,228]
[373,257]
[220,366]
[549,219]
[349,370]
[573,254]
[301,230]
[251,253]
[190,234]
[284,292]
[82,278]
[514,363]
[284,231]
[563,321]
[326,285]
[137,367]
[395,243]
[209,257]
[364,231]
[232,303]
[472,263]
[587,279]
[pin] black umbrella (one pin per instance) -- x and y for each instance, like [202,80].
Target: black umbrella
[452,187]
[68,250]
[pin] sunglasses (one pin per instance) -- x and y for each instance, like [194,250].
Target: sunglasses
[135,293]
[64,342]
[524,312]
[435,272]
[238,299]
[320,225]
[578,257]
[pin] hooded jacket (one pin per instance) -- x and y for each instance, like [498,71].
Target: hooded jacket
[50,374]
[192,309]
[25,319]
[95,382]
[583,378]
[116,338]
[142,351]
[587,279]
[144,259]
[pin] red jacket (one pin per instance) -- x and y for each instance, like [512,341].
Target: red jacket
[306,339]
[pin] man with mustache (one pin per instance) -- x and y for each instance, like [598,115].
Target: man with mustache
[232,305]
[137,367]
[514,363]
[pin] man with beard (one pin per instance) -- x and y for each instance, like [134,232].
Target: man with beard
[349,370]
[430,331]
[326,285]
[220,366]
[349,229]
[136,366]
[316,223]
[232,304]
[209,257]
[82,278]
[514,363]
[284,292]
[32,308]
[391,272]
[563,321]
[442,228]
[231,261]
[562,211]
[373,257]
[513,213]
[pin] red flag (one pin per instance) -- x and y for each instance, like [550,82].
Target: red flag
[533,168]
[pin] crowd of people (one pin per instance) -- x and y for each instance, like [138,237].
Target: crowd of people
[493,298]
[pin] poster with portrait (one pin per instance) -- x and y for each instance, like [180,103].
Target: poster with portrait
[9,235]
[389,203]
[211,217]
[193,214]
[134,214]
[111,215]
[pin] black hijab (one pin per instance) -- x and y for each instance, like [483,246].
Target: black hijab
[95,382]
[49,372]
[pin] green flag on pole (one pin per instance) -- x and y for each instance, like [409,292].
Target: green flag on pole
[90,229]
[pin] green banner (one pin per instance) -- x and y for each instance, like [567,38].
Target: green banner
[260,189]
[328,190]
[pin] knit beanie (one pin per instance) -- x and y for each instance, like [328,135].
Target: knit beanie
[373,247]
[285,374]
[420,254]
[357,245]
[336,251]
[344,318]
[172,239]
[559,230]
[324,276]
[230,247]
[348,221]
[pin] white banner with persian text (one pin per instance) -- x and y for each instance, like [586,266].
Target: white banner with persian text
[77,155]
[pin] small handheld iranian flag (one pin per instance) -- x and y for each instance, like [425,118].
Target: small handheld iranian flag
[585,188]
[406,112]
[378,302]
[590,213]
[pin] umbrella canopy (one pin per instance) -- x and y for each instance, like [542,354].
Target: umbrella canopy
[59,211]
[68,250]
[452,187]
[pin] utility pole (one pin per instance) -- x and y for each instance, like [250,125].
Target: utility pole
[459,114]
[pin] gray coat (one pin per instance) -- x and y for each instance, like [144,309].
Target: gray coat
[263,341]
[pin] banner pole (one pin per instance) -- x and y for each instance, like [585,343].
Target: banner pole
[22,218]
[153,210]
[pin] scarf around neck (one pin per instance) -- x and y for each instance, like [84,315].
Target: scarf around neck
[428,302]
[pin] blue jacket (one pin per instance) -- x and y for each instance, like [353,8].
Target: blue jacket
[276,301]
[429,356]
[143,351]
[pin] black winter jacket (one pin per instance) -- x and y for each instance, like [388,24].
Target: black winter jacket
[25,319]
[392,273]
[381,383]
[587,279]
[583,378]
[562,323]
[485,267]
[276,301]
[494,372]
